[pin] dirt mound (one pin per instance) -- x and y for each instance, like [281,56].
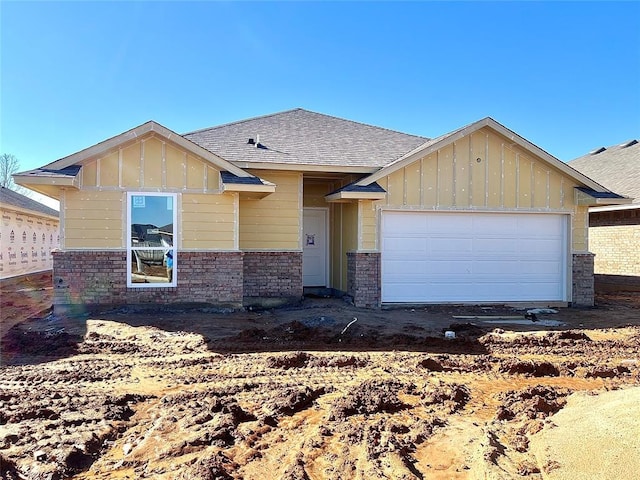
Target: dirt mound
[533,402]
[452,397]
[291,400]
[371,396]
[530,368]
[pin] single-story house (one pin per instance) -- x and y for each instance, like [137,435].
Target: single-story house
[263,208]
[614,230]
[28,233]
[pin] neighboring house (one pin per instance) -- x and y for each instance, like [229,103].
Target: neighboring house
[260,209]
[614,230]
[28,234]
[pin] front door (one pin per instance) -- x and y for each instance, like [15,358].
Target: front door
[314,247]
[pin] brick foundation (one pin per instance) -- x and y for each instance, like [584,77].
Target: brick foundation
[583,285]
[363,279]
[272,275]
[91,278]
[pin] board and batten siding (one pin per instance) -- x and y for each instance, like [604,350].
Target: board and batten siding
[94,217]
[153,164]
[483,171]
[273,223]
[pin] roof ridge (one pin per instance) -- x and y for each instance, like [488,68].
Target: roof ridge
[307,111]
[237,122]
[365,124]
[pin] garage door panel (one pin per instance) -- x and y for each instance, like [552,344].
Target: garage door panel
[473,257]
[441,245]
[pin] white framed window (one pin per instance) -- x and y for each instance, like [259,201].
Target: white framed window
[152,257]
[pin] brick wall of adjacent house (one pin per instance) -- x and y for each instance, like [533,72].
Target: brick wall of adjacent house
[91,278]
[273,274]
[363,279]
[617,249]
[583,286]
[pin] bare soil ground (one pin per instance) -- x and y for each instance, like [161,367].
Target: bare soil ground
[323,390]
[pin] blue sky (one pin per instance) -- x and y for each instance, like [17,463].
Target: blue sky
[566,76]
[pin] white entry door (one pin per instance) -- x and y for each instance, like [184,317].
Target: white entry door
[314,247]
[473,257]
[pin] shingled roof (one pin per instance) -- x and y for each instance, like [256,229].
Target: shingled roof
[616,167]
[9,197]
[300,137]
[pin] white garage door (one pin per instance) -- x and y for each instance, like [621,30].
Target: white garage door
[473,257]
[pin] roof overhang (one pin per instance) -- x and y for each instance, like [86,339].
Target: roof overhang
[248,187]
[353,192]
[592,198]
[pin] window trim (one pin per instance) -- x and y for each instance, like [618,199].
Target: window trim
[174,279]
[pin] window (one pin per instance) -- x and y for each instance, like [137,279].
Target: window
[151,252]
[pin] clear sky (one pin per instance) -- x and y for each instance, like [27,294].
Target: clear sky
[564,75]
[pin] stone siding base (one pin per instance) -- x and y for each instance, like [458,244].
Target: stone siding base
[93,278]
[583,284]
[363,279]
[268,276]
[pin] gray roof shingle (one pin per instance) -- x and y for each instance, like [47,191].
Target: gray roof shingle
[616,167]
[301,137]
[16,199]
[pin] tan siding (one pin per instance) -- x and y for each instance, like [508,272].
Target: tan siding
[412,192]
[509,195]
[580,229]
[430,180]
[445,176]
[109,170]
[349,236]
[524,182]
[282,208]
[152,161]
[314,193]
[335,247]
[478,170]
[81,231]
[89,174]
[131,166]
[175,165]
[461,172]
[494,165]
[195,173]
[213,179]
[208,221]
[555,190]
[395,188]
[160,164]
[540,183]
[367,214]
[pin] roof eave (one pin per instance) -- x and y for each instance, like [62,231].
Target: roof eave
[33,179]
[343,196]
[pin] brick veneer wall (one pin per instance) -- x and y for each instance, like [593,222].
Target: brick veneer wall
[273,274]
[363,279]
[616,248]
[583,286]
[90,278]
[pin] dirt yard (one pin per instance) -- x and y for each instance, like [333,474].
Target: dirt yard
[320,391]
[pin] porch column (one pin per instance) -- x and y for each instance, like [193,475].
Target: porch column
[363,279]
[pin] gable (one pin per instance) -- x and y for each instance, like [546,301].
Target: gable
[482,169]
[150,162]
